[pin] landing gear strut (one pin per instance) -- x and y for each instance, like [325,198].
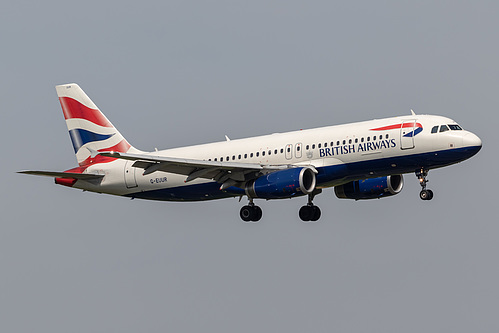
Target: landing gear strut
[310,212]
[251,212]
[424,194]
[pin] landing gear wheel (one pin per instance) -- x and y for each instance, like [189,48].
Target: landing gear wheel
[257,214]
[426,194]
[306,213]
[431,194]
[251,213]
[310,213]
[317,214]
[246,213]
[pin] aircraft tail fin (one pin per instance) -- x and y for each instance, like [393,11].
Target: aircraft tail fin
[88,127]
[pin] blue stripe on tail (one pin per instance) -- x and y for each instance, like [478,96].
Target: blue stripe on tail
[80,137]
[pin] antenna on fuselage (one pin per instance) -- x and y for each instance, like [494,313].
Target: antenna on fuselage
[227,138]
[412,112]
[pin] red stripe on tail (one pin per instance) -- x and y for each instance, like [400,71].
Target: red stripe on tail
[74,109]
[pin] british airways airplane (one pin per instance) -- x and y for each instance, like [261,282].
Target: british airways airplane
[363,160]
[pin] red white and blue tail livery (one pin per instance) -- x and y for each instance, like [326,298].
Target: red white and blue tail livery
[363,160]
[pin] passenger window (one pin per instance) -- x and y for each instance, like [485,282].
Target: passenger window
[275,152]
[337,143]
[332,143]
[325,145]
[313,146]
[233,157]
[361,139]
[381,137]
[319,145]
[215,159]
[263,153]
[257,154]
[282,150]
[221,159]
[308,147]
[245,156]
[368,138]
[444,128]
[251,155]
[344,142]
[356,140]
[239,157]
[387,136]
[434,129]
[350,141]
[374,138]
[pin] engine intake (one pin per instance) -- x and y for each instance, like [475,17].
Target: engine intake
[372,188]
[282,184]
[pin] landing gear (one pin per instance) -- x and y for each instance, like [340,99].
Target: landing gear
[251,212]
[424,194]
[310,212]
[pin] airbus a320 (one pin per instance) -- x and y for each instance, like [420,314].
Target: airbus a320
[363,160]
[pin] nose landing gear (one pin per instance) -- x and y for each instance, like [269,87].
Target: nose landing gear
[424,194]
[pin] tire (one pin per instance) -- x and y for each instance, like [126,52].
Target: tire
[430,192]
[246,213]
[256,214]
[306,213]
[316,213]
[424,195]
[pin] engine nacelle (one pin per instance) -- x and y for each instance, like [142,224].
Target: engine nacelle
[282,184]
[372,188]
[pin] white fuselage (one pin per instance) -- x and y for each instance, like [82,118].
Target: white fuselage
[339,153]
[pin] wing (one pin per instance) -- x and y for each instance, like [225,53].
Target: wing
[226,173]
[83,176]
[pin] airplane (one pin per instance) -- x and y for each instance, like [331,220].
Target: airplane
[362,160]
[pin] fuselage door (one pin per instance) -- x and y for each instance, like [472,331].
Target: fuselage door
[298,149]
[130,180]
[289,151]
[407,134]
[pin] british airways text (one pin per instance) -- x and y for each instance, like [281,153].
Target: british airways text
[361,147]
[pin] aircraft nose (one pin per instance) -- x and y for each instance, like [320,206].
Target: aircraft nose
[471,140]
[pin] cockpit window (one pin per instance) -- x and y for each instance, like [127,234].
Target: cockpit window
[434,129]
[455,127]
[443,128]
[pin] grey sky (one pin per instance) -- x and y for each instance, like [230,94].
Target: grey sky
[177,73]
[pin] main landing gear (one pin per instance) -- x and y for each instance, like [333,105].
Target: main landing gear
[424,194]
[310,212]
[251,212]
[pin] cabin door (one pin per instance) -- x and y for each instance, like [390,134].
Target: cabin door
[407,134]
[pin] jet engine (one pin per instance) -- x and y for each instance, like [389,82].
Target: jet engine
[282,184]
[372,188]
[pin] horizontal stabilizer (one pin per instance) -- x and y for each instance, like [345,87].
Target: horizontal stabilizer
[82,176]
